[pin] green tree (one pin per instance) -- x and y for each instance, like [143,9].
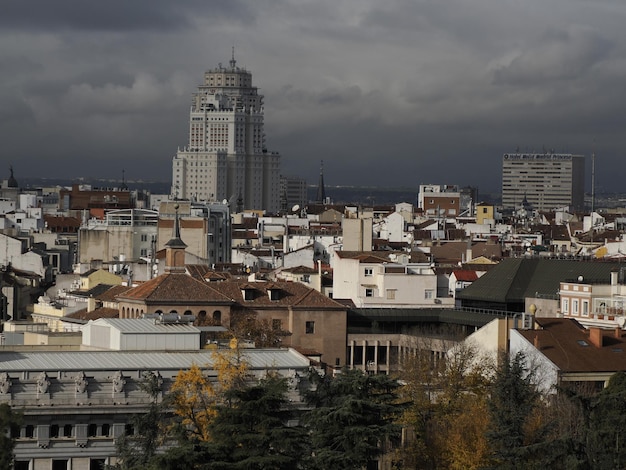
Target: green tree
[252,432]
[513,403]
[10,422]
[249,430]
[606,445]
[354,415]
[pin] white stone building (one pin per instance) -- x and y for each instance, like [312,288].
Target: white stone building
[384,279]
[226,157]
[76,403]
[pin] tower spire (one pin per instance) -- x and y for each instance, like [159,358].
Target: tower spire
[233,62]
[321,191]
[175,249]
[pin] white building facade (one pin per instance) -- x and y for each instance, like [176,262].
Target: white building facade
[226,157]
[386,280]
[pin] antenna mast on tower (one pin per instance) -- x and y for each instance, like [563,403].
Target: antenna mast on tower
[593,186]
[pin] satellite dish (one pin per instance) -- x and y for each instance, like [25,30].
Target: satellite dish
[225,201]
[295,208]
[621,321]
[580,279]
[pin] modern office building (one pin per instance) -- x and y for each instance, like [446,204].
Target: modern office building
[226,157]
[545,180]
[293,192]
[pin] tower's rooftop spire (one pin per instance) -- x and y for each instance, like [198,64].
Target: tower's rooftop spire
[321,191]
[176,241]
[233,62]
[12,183]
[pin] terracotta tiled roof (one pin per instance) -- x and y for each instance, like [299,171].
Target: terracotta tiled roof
[366,256]
[184,223]
[291,294]
[454,251]
[300,270]
[111,294]
[465,275]
[567,344]
[101,312]
[197,271]
[202,272]
[175,287]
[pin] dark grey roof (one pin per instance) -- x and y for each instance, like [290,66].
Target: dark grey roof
[421,315]
[95,291]
[514,279]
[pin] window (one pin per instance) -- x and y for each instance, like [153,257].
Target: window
[60,464]
[54,431]
[92,430]
[97,464]
[369,292]
[565,305]
[575,307]
[106,429]
[428,294]
[484,210]
[391,294]
[585,307]
[310,328]
[67,430]
[369,271]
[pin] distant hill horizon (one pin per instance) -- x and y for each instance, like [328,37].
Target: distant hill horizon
[339,194]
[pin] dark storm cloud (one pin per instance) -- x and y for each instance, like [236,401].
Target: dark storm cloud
[112,15]
[557,55]
[435,90]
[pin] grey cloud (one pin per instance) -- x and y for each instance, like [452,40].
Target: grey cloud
[437,90]
[558,55]
[114,15]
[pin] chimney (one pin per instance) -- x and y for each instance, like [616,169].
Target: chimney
[536,342]
[618,332]
[595,336]
[91,304]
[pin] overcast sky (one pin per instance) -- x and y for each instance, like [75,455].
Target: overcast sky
[388,93]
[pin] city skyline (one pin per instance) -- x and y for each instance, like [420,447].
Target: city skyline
[437,92]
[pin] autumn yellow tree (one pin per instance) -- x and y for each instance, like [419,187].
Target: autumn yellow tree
[446,412]
[463,442]
[195,397]
[194,400]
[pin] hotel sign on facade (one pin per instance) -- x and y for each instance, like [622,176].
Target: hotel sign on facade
[538,156]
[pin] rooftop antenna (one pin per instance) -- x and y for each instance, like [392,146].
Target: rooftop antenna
[593,185]
[233,62]
[321,190]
